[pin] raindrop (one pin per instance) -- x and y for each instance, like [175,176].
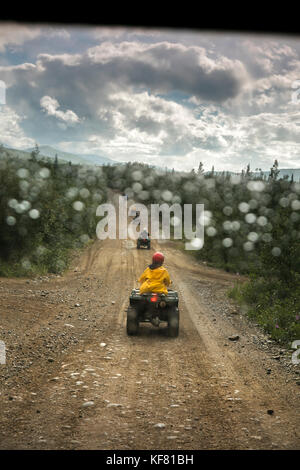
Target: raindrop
[20,208]
[144,195]
[84,238]
[156,194]
[23,173]
[227,242]
[71,193]
[26,205]
[253,204]
[129,192]
[34,214]
[256,186]
[211,231]
[148,181]
[78,205]
[284,202]
[296,187]
[244,207]
[137,187]
[295,217]
[253,237]
[197,243]
[137,175]
[295,205]
[13,203]
[207,215]
[227,225]
[26,263]
[24,185]
[176,199]
[276,251]
[267,237]
[84,193]
[97,197]
[227,210]
[23,231]
[250,218]
[262,221]
[167,195]
[41,250]
[44,173]
[189,187]
[235,225]
[11,220]
[60,265]
[235,179]
[248,246]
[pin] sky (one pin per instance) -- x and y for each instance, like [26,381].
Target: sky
[160,96]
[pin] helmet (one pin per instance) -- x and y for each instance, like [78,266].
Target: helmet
[158,258]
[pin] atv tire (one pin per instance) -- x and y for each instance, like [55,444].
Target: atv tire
[173,322]
[132,325]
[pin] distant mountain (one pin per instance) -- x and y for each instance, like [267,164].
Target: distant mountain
[83,159]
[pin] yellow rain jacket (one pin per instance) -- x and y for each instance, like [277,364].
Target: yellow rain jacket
[155,280]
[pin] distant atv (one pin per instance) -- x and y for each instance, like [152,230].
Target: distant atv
[144,241]
[153,308]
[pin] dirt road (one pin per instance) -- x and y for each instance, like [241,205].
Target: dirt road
[74,380]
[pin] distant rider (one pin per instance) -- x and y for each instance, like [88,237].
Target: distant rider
[144,233]
[155,278]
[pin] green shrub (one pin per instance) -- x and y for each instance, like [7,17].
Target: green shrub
[273,305]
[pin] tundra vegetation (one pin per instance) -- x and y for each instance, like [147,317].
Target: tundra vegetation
[47,210]
[252,223]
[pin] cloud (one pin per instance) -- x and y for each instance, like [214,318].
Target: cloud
[167,66]
[12,34]
[51,105]
[64,59]
[159,96]
[11,132]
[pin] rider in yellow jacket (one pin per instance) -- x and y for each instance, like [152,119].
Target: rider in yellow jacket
[155,278]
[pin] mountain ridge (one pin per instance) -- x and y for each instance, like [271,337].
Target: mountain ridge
[83,159]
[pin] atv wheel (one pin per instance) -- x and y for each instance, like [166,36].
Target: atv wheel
[173,322]
[132,321]
[148,247]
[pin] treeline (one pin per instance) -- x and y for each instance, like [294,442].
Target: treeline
[252,226]
[46,210]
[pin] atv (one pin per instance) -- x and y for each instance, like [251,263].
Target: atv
[153,308]
[145,242]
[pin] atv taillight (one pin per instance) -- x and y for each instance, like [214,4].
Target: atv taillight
[154,298]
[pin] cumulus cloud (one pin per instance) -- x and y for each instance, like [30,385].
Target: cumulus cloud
[51,105]
[169,66]
[11,132]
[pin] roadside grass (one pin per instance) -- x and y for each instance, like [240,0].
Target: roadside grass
[273,305]
[55,260]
